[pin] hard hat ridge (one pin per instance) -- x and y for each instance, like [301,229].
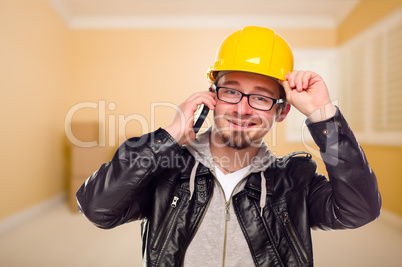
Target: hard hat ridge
[253,49]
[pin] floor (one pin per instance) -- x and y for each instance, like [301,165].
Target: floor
[59,238]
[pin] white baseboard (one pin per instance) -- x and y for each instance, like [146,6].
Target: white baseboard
[23,216]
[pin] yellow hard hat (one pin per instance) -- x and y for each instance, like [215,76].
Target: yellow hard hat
[253,49]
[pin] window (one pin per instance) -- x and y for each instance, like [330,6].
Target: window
[364,78]
[371,82]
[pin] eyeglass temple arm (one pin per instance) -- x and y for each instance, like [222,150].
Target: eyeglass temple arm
[212,88]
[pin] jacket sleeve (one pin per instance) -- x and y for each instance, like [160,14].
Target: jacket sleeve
[120,190]
[350,198]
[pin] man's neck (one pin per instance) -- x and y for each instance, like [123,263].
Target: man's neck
[230,159]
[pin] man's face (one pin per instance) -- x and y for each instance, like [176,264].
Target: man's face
[239,125]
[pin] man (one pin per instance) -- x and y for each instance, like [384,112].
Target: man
[220,198]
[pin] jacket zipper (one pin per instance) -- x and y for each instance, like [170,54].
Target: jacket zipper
[295,237]
[227,216]
[165,223]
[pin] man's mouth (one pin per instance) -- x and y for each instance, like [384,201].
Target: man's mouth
[242,124]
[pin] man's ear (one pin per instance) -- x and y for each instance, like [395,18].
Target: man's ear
[283,114]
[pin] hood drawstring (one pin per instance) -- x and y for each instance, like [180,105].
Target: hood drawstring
[202,155]
[263,197]
[192,178]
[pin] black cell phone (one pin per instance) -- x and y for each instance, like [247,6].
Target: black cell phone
[200,117]
[202,113]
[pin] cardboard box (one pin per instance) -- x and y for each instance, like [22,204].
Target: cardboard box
[74,186]
[84,162]
[85,131]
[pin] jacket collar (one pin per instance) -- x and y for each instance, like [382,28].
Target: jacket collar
[259,186]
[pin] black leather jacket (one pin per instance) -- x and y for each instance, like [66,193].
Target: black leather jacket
[157,191]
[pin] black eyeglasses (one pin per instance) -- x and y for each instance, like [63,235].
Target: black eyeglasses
[233,96]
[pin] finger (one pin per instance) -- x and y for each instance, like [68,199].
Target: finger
[286,87]
[299,81]
[210,103]
[307,78]
[206,98]
[291,78]
[210,100]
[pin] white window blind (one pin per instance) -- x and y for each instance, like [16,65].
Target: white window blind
[371,82]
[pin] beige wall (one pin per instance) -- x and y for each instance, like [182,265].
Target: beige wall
[364,15]
[385,161]
[50,69]
[34,95]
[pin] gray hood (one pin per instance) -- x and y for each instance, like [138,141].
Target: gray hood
[202,154]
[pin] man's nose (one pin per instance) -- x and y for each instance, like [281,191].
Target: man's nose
[243,108]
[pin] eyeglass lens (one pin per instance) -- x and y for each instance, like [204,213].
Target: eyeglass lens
[255,101]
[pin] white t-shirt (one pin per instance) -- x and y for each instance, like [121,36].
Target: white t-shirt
[230,180]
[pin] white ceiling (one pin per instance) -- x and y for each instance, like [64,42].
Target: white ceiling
[202,13]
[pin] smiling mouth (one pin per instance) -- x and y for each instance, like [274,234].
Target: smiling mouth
[242,124]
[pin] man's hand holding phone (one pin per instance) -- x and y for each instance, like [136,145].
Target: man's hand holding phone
[183,126]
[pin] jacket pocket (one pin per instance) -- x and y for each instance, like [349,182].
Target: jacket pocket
[162,231]
[295,241]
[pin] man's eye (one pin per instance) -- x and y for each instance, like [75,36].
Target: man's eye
[260,99]
[231,92]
